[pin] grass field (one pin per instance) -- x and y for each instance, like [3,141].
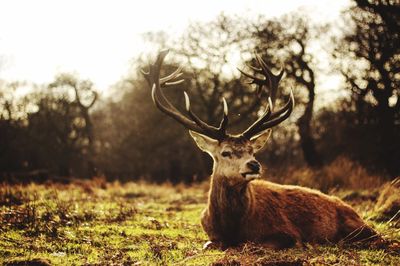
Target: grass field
[100,223]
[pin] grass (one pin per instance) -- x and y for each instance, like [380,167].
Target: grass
[100,223]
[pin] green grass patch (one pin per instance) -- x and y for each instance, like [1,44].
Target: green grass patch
[143,224]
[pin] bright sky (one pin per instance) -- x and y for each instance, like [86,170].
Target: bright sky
[97,39]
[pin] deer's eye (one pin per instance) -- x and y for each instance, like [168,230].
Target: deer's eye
[226,154]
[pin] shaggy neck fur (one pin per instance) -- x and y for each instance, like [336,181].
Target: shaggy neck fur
[228,203]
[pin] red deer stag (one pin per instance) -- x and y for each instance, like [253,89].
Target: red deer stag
[242,207]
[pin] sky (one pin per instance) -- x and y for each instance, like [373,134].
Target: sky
[98,39]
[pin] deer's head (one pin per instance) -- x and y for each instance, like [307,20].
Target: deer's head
[233,155]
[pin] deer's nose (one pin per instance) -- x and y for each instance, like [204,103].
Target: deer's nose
[254,166]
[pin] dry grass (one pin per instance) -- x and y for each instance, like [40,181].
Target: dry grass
[100,223]
[388,203]
[341,173]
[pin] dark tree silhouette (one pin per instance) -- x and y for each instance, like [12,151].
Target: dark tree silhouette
[369,57]
[135,140]
[288,40]
[84,98]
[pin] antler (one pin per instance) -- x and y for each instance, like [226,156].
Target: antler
[269,118]
[162,103]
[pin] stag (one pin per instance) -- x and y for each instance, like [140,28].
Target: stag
[242,207]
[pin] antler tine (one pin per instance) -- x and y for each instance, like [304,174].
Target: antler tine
[172,113]
[255,80]
[153,77]
[271,81]
[271,120]
[193,122]
[162,103]
[194,117]
[219,132]
[265,116]
[256,69]
[176,74]
[279,116]
[224,121]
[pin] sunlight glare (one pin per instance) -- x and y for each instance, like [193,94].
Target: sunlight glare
[98,39]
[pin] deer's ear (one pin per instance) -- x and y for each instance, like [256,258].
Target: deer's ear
[203,142]
[258,141]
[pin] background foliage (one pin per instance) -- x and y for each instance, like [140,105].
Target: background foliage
[65,129]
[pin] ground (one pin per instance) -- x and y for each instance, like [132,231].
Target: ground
[101,223]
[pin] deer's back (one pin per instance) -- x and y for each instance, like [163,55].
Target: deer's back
[297,214]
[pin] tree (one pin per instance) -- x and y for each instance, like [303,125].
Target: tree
[84,97]
[140,141]
[209,53]
[57,128]
[288,40]
[369,57]
[13,133]
[135,140]
[49,130]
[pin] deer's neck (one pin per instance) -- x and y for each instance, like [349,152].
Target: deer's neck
[228,204]
[227,194]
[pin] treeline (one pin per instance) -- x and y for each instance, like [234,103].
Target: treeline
[64,129]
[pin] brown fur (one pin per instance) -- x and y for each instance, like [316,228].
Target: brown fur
[282,216]
[241,209]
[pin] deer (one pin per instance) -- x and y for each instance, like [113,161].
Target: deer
[241,206]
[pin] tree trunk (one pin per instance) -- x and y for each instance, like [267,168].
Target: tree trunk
[311,156]
[387,134]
